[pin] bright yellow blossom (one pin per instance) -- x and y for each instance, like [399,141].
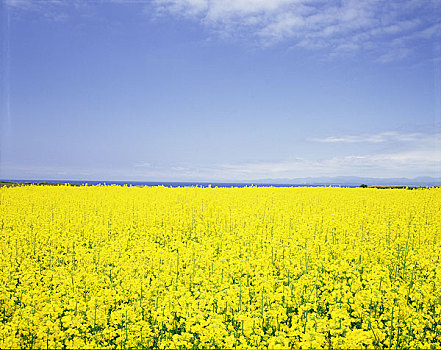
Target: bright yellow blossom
[157,267]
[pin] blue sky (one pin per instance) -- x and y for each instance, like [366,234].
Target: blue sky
[211,90]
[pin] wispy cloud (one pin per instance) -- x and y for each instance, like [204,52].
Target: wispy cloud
[387,28]
[400,154]
[411,163]
[50,10]
[415,154]
[401,164]
[390,136]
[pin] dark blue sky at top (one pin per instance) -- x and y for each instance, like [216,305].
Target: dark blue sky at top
[158,91]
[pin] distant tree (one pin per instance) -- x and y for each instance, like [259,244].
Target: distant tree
[363,186]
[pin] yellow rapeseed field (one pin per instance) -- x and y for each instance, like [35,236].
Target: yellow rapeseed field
[157,267]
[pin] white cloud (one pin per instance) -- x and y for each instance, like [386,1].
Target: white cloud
[142,164]
[394,55]
[380,137]
[52,10]
[401,164]
[337,26]
[390,30]
[417,154]
[410,163]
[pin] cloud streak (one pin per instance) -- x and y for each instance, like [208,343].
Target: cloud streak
[388,28]
[415,154]
[412,163]
[407,164]
[390,136]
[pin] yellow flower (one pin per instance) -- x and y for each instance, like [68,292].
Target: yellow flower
[156,267]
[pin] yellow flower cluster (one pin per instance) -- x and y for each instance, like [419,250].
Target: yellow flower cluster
[157,267]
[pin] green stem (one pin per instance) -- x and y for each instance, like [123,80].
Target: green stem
[391,328]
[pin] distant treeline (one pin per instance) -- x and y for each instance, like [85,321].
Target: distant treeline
[397,187]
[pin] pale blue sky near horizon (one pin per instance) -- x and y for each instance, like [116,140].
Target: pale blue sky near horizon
[211,90]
